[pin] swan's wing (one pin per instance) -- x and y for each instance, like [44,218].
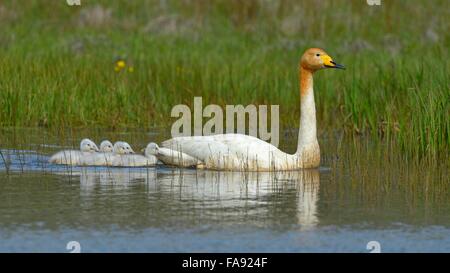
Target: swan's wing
[203,147]
[244,144]
[200,147]
[173,157]
[66,157]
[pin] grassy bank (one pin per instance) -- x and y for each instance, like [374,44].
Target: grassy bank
[57,64]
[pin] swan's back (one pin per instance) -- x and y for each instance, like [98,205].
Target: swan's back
[74,157]
[67,157]
[203,146]
[230,151]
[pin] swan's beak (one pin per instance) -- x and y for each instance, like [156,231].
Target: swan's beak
[339,66]
[329,63]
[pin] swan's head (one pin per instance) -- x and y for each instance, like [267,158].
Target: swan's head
[121,147]
[315,59]
[151,149]
[88,145]
[106,146]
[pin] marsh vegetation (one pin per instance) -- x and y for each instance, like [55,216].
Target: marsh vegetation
[58,67]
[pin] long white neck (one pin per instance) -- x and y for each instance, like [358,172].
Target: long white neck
[307,134]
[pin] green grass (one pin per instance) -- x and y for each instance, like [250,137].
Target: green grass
[57,64]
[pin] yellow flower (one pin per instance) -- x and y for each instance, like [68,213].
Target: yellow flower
[131,69]
[116,68]
[120,64]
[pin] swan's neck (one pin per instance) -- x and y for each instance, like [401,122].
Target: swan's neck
[307,135]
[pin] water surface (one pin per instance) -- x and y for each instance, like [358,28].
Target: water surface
[361,193]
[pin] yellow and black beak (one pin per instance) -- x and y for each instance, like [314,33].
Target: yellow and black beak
[335,65]
[329,63]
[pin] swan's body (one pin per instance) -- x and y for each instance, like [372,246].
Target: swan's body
[122,155]
[125,157]
[235,152]
[75,157]
[242,152]
[133,160]
[171,157]
[99,159]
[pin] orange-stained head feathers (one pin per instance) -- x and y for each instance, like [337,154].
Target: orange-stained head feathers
[312,60]
[315,58]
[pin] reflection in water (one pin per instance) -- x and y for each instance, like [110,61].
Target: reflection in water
[367,192]
[119,178]
[233,193]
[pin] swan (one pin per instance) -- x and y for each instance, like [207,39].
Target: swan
[104,158]
[237,152]
[74,157]
[122,148]
[124,156]
[106,146]
[171,157]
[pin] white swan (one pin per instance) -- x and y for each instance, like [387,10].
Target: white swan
[104,158]
[171,157]
[242,152]
[124,157]
[122,148]
[106,146]
[74,157]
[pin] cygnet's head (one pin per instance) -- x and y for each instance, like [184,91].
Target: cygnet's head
[106,146]
[88,145]
[151,149]
[121,147]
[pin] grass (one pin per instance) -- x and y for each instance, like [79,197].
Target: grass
[57,64]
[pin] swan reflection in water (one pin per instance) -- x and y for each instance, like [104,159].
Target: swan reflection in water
[291,196]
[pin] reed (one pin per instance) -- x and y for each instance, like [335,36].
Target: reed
[57,67]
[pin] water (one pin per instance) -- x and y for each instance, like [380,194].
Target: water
[361,193]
